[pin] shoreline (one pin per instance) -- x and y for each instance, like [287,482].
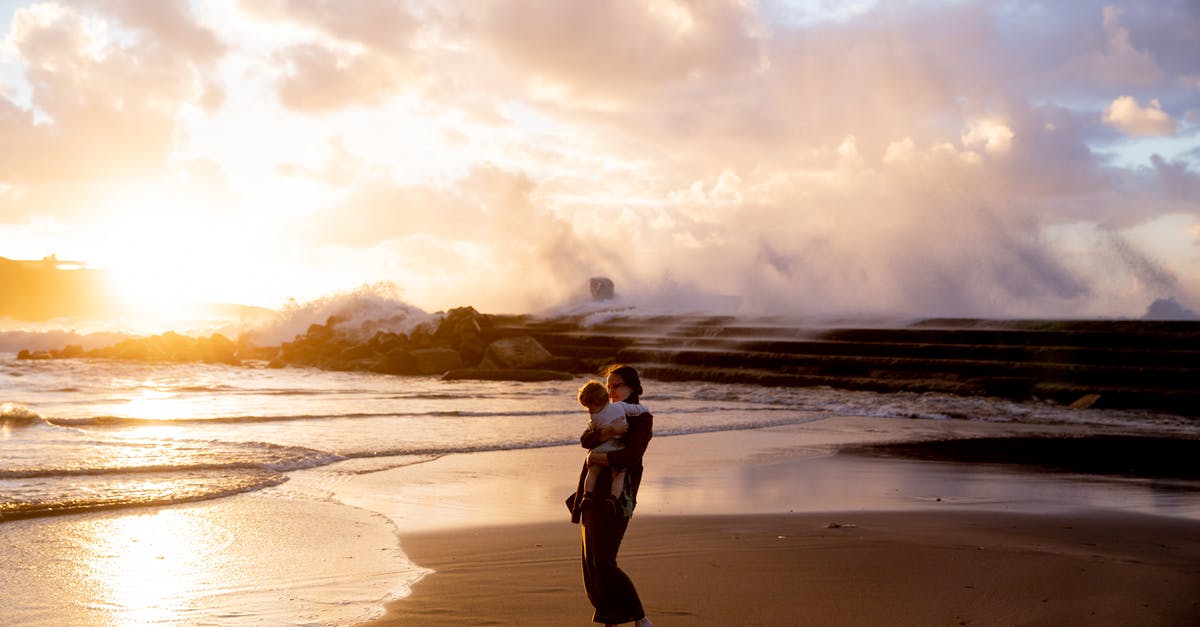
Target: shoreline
[492,530]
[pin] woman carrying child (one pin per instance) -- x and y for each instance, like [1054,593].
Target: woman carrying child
[608,588]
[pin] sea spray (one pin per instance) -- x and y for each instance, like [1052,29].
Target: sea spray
[359,315]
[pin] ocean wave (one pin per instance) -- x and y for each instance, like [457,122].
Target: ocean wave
[70,495]
[533,443]
[109,420]
[92,457]
[17,415]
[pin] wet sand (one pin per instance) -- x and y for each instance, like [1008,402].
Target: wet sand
[874,568]
[771,527]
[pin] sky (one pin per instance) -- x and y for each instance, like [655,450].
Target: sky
[814,158]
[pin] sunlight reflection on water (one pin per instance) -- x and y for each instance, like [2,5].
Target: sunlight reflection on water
[148,568]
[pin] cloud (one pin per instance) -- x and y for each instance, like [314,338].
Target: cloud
[1120,63]
[103,108]
[169,24]
[1179,181]
[357,57]
[487,225]
[1131,118]
[922,158]
[386,26]
[994,136]
[617,51]
[318,78]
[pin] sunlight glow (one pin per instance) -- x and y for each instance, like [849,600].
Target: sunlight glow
[150,567]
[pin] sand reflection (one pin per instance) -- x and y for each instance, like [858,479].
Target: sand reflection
[148,568]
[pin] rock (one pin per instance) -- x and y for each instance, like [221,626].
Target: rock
[436,360]
[349,365]
[396,361]
[260,353]
[421,336]
[129,349]
[358,351]
[385,342]
[319,332]
[68,352]
[506,374]
[601,288]
[522,351]
[215,349]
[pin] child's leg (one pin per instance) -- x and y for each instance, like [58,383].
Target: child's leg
[618,482]
[589,482]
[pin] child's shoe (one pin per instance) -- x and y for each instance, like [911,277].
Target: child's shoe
[612,505]
[587,502]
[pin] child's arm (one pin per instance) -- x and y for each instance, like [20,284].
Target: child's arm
[632,409]
[636,440]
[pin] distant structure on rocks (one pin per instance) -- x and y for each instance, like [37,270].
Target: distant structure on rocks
[602,288]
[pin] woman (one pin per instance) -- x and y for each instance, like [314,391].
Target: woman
[608,588]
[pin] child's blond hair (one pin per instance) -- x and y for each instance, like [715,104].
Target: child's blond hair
[593,394]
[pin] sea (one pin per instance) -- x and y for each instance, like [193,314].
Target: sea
[82,438]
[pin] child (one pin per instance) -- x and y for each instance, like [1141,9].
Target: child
[603,413]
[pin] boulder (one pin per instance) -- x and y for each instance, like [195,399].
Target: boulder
[260,353]
[215,349]
[522,351]
[357,351]
[68,352]
[436,360]
[385,342]
[396,361]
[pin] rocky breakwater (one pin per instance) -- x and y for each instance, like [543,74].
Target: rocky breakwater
[168,347]
[455,345]
[1100,363]
[1150,364]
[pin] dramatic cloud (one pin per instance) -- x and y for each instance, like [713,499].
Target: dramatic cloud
[317,78]
[990,158]
[100,110]
[1131,118]
[615,51]
[1119,62]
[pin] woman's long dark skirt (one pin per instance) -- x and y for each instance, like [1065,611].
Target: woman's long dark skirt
[608,588]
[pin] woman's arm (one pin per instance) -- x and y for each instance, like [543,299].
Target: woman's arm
[641,429]
[592,437]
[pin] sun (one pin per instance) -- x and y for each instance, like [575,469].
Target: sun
[167,254]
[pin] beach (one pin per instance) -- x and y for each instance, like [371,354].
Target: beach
[771,527]
[198,494]
[862,568]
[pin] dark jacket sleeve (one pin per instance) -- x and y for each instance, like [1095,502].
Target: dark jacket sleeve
[641,429]
[590,438]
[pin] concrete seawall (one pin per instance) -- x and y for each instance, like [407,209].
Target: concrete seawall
[1106,363]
